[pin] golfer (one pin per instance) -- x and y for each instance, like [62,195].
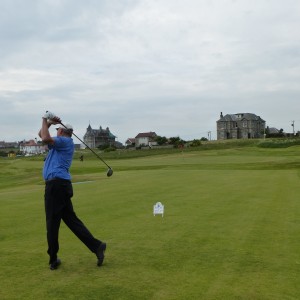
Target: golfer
[59,191]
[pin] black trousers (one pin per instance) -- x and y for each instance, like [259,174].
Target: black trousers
[58,206]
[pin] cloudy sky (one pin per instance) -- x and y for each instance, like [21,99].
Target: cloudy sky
[169,66]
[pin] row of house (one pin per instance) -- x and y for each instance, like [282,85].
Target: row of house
[34,147]
[6,145]
[95,138]
[31,147]
[229,126]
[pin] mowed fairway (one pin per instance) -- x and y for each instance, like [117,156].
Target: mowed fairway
[230,230]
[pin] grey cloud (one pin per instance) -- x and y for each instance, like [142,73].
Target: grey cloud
[168,66]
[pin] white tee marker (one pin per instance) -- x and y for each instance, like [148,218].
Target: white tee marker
[158,209]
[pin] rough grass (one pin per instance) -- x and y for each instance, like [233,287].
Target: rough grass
[230,230]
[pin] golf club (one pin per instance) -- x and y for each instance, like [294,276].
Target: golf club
[110,170]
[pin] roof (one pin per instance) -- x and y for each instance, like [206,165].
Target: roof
[29,143]
[32,143]
[146,134]
[273,130]
[98,132]
[241,116]
[130,140]
[111,135]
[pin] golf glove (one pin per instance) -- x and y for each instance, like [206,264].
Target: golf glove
[48,115]
[51,122]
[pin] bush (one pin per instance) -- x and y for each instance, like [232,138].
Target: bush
[195,143]
[109,149]
[3,153]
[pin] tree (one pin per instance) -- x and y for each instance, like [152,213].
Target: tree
[161,140]
[195,143]
[176,141]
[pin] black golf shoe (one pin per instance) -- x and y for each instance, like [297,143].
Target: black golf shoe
[100,253]
[54,265]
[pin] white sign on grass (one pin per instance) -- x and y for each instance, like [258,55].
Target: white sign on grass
[158,209]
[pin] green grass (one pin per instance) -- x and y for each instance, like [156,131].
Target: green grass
[230,230]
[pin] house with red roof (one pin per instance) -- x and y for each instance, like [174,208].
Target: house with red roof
[145,139]
[32,147]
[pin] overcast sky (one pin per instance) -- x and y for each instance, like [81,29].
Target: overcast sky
[134,66]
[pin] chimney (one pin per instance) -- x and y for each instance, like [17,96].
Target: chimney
[221,115]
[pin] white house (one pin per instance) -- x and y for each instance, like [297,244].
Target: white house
[145,139]
[32,148]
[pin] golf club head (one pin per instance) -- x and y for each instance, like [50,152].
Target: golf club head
[109,172]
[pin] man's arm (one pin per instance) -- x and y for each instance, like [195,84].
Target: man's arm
[47,120]
[44,132]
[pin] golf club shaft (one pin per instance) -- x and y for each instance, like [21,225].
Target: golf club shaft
[88,147]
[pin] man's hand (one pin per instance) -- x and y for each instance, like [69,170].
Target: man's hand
[55,120]
[51,118]
[48,115]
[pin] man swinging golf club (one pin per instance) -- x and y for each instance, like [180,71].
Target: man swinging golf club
[59,191]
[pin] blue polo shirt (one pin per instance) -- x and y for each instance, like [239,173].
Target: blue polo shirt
[59,159]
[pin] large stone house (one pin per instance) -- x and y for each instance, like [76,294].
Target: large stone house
[240,126]
[95,138]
